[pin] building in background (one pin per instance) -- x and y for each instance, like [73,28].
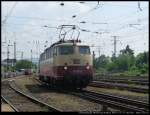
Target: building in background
[8,62]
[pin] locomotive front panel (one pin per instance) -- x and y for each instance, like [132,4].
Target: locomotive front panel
[68,64]
[73,64]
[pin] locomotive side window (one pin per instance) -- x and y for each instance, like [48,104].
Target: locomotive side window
[50,52]
[54,51]
[43,56]
[46,54]
[65,50]
[84,49]
[40,58]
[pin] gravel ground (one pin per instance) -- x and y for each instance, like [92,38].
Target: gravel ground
[20,102]
[6,108]
[123,93]
[68,102]
[62,101]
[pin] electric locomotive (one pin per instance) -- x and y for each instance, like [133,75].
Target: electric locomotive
[66,63]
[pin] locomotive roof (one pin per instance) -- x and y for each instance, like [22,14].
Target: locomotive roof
[67,42]
[71,44]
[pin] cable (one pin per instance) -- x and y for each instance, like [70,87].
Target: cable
[139,6]
[127,25]
[125,16]
[40,26]
[37,18]
[83,14]
[124,26]
[9,14]
[130,35]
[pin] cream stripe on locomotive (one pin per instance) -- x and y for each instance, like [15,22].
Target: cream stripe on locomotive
[69,59]
[73,60]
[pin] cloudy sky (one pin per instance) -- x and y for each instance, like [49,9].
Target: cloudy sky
[23,23]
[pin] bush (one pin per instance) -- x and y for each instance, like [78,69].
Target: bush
[111,66]
[122,74]
[143,71]
[133,68]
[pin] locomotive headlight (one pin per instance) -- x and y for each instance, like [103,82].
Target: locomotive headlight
[65,68]
[87,67]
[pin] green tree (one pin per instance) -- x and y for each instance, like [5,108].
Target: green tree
[124,62]
[126,59]
[127,50]
[142,59]
[111,66]
[113,58]
[101,61]
[24,64]
[141,62]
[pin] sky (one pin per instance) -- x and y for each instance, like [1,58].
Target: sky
[24,23]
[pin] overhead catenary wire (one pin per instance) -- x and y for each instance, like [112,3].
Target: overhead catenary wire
[127,16]
[9,14]
[124,26]
[32,25]
[139,6]
[37,18]
[81,15]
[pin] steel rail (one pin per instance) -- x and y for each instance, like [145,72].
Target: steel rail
[50,108]
[119,86]
[109,103]
[110,100]
[121,78]
[120,99]
[10,104]
[124,81]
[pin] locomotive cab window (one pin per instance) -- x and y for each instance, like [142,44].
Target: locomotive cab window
[65,50]
[84,49]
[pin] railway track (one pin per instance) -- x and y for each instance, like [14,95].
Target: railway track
[120,78]
[119,86]
[24,102]
[139,78]
[126,81]
[116,102]
[119,103]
